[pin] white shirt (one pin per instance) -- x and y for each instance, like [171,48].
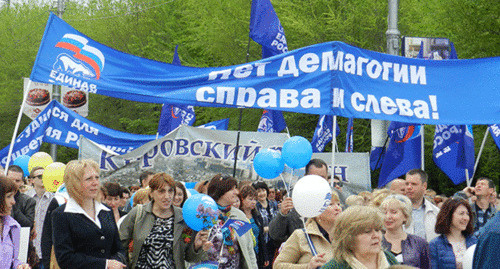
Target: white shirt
[73,207]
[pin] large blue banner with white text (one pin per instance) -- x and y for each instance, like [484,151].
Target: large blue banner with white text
[59,125]
[325,79]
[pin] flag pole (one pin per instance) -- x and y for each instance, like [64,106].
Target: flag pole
[422,163]
[239,120]
[480,152]
[16,128]
[334,145]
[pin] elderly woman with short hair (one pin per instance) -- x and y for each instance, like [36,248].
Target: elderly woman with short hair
[357,237]
[296,252]
[409,249]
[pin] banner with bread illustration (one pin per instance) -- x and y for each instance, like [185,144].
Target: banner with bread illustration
[39,95]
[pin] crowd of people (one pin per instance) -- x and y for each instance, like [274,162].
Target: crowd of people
[87,224]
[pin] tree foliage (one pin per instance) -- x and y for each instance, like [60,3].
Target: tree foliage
[215,33]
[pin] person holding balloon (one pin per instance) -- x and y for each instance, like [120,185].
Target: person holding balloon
[297,250]
[9,228]
[230,249]
[84,232]
[161,238]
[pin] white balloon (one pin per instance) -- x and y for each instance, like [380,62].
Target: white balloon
[311,196]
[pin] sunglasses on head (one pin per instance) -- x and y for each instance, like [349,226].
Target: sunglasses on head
[38,176]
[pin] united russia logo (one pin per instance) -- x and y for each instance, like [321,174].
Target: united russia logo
[86,61]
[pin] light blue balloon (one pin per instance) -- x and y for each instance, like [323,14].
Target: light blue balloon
[200,212]
[22,161]
[296,152]
[268,163]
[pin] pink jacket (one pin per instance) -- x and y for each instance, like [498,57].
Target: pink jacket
[9,243]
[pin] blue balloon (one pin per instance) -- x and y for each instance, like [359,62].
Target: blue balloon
[268,163]
[296,152]
[200,212]
[22,161]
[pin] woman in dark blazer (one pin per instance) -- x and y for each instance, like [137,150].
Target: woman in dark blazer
[84,230]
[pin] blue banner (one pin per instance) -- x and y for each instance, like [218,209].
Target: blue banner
[495,133]
[239,226]
[174,115]
[403,153]
[349,142]
[323,133]
[271,122]
[59,125]
[377,155]
[216,125]
[331,78]
[453,151]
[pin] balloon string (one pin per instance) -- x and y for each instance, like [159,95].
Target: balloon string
[286,186]
[290,182]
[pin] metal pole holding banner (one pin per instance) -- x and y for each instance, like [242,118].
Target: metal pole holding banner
[57,89]
[422,163]
[334,146]
[16,128]
[479,154]
[239,121]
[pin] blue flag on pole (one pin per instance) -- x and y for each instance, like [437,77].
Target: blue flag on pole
[266,29]
[349,142]
[377,155]
[403,152]
[454,151]
[174,115]
[272,121]
[239,226]
[323,133]
[216,125]
[495,133]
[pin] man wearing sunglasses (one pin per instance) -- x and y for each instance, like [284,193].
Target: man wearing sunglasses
[42,198]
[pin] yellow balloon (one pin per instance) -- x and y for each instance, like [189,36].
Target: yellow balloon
[39,159]
[53,176]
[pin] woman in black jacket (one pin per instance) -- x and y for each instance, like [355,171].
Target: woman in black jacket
[84,231]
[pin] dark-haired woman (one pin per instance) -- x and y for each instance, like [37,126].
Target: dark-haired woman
[268,211]
[229,250]
[455,226]
[9,228]
[248,198]
[113,194]
[161,238]
[180,194]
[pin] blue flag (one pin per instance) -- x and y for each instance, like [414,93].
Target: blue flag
[349,142]
[239,226]
[174,115]
[453,151]
[420,54]
[216,125]
[495,133]
[377,155]
[272,121]
[323,133]
[403,153]
[176,60]
[266,29]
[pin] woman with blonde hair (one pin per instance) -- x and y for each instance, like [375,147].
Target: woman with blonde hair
[409,249]
[357,237]
[161,238]
[297,251]
[84,231]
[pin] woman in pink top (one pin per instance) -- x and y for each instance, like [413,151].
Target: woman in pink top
[10,229]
